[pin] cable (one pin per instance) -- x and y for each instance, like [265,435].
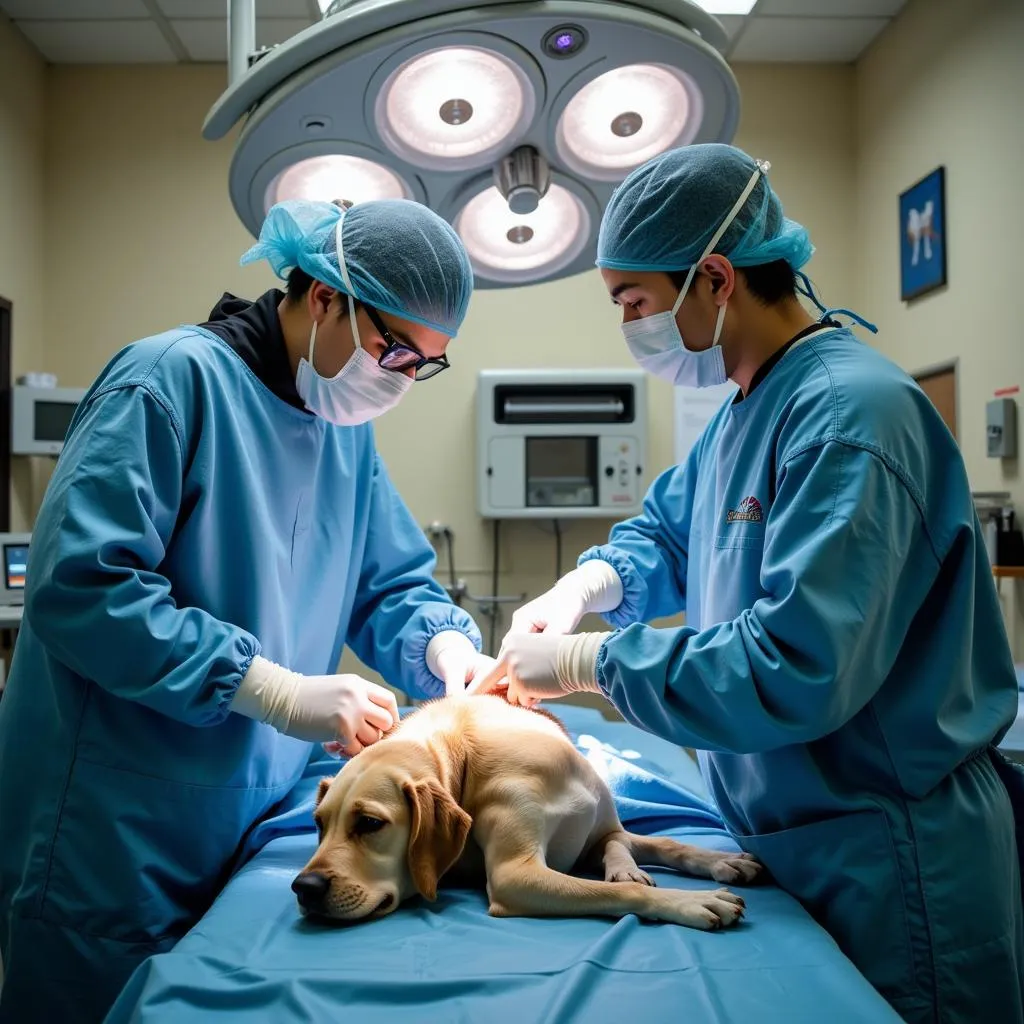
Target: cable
[449,537]
[558,550]
[494,589]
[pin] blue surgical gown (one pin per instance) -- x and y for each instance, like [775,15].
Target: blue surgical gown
[194,520]
[844,669]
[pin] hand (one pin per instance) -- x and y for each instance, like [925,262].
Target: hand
[534,667]
[594,587]
[346,711]
[556,612]
[453,658]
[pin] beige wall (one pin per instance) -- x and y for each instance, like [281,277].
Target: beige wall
[945,85]
[141,236]
[22,134]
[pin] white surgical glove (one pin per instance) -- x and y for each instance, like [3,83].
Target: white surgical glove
[544,667]
[345,710]
[594,587]
[452,657]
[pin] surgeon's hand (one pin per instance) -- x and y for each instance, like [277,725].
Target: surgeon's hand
[453,658]
[543,666]
[594,587]
[344,710]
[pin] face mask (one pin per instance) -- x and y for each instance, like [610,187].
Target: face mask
[655,341]
[362,389]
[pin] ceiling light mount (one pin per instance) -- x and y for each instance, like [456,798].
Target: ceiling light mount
[523,178]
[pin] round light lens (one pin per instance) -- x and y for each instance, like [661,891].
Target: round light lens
[333,177]
[455,107]
[624,117]
[508,247]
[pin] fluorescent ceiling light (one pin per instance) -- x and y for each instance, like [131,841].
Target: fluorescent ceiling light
[725,6]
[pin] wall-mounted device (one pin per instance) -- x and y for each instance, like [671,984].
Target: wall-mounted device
[14,548]
[560,444]
[40,418]
[1001,428]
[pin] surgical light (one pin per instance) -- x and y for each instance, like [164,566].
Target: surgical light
[513,248]
[513,120]
[624,117]
[333,177]
[457,107]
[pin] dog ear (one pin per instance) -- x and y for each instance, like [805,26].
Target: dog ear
[437,836]
[321,790]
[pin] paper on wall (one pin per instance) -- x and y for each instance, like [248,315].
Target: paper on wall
[694,408]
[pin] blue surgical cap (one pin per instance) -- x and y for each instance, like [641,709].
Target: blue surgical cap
[401,257]
[664,214]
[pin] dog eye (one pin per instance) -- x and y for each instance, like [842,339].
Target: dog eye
[365,825]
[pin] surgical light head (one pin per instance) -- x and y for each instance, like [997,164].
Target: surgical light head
[513,121]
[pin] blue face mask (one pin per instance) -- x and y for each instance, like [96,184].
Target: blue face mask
[655,341]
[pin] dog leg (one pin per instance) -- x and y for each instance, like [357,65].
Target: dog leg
[611,856]
[529,888]
[660,851]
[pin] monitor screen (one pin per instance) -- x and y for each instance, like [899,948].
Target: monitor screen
[15,564]
[52,420]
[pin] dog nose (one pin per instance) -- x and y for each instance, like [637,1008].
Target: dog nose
[310,888]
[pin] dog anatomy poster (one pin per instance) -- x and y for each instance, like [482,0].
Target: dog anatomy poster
[923,236]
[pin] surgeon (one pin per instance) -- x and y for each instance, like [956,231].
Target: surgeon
[843,669]
[219,526]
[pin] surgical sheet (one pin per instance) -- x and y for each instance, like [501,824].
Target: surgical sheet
[254,959]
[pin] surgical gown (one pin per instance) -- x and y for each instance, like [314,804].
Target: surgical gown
[194,520]
[844,670]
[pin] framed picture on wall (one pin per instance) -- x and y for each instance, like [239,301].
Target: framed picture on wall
[923,236]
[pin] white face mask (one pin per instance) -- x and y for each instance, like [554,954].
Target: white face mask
[362,389]
[655,341]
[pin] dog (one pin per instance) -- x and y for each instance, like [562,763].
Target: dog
[476,789]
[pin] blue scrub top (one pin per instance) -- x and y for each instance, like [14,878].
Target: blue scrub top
[843,656]
[193,521]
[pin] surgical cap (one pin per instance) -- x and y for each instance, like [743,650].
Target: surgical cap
[401,257]
[664,214]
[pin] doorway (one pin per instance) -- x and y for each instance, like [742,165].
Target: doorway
[939,384]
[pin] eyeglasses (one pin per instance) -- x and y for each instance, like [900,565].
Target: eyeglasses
[400,355]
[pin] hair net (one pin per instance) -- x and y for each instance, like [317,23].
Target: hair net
[401,257]
[666,211]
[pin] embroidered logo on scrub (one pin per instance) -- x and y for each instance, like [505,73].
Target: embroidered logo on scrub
[748,512]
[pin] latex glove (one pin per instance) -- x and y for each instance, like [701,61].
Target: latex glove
[544,666]
[452,657]
[345,711]
[594,587]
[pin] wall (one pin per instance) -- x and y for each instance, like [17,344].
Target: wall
[943,85]
[22,134]
[141,236]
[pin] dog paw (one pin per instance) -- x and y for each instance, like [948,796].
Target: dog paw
[735,868]
[631,875]
[708,911]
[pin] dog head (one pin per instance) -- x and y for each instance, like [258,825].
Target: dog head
[388,830]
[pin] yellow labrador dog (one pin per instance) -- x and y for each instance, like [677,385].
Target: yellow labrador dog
[492,790]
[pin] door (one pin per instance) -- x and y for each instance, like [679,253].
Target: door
[940,387]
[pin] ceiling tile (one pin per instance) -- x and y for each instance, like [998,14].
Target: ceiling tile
[206,38]
[824,40]
[732,23]
[98,42]
[831,8]
[215,8]
[64,10]
[271,31]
